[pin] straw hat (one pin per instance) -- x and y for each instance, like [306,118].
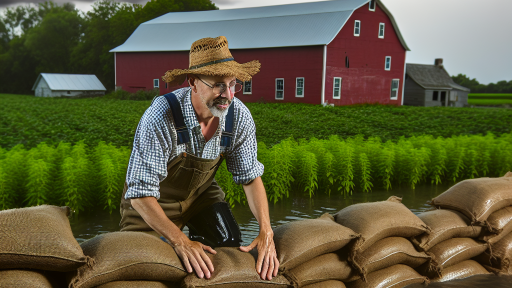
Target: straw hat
[211,56]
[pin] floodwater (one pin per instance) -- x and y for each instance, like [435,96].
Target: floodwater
[302,207]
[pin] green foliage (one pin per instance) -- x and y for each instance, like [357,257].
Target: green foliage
[140,95]
[278,163]
[476,87]
[234,193]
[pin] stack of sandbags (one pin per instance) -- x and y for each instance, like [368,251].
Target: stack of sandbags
[37,247]
[383,253]
[471,203]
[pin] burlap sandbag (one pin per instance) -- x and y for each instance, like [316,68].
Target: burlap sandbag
[388,252]
[499,225]
[39,237]
[461,270]
[477,198]
[396,276]
[451,252]
[31,278]
[139,284]
[128,256]
[327,284]
[445,224]
[234,268]
[331,266]
[379,220]
[501,255]
[300,241]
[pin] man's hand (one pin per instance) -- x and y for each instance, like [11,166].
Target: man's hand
[193,256]
[267,264]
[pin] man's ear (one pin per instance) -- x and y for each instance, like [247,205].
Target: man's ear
[191,82]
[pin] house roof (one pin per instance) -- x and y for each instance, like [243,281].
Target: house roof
[303,24]
[432,77]
[71,82]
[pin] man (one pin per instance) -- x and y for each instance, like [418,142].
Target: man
[180,142]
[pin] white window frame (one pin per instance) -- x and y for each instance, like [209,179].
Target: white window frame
[243,88]
[383,25]
[334,88]
[386,63]
[356,27]
[397,89]
[370,5]
[297,87]
[277,79]
[156,83]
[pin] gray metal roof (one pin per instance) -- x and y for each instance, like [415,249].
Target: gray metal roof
[71,82]
[432,77]
[303,24]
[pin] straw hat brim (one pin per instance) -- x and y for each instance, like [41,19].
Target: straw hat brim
[243,72]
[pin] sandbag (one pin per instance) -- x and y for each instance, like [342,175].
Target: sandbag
[388,252]
[379,220]
[31,278]
[331,266]
[127,256]
[395,276]
[327,284]
[499,224]
[477,198]
[445,224]
[234,268]
[451,252]
[461,270]
[139,284]
[501,255]
[39,237]
[300,241]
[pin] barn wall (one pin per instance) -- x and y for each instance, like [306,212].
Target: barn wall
[414,94]
[136,71]
[365,81]
[42,89]
[428,98]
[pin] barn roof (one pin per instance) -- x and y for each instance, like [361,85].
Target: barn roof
[303,24]
[71,82]
[432,77]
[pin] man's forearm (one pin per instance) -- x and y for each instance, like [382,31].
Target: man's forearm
[258,203]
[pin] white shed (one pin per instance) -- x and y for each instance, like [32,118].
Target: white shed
[57,85]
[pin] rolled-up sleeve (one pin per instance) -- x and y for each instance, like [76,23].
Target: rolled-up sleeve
[242,158]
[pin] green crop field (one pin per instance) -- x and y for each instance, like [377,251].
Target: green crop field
[489,102]
[489,96]
[30,120]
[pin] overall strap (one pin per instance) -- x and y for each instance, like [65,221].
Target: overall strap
[227,134]
[177,115]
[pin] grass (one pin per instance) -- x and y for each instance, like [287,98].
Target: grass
[489,96]
[489,102]
[30,120]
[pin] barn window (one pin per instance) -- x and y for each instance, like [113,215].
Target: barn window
[372,5]
[299,87]
[69,92]
[381,30]
[248,87]
[347,64]
[387,66]
[336,89]
[435,96]
[165,85]
[156,83]
[279,88]
[357,28]
[394,89]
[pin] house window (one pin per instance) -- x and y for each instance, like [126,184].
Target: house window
[357,28]
[279,88]
[336,89]
[435,96]
[156,83]
[381,30]
[394,89]
[372,5]
[347,64]
[248,87]
[299,87]
[387,66]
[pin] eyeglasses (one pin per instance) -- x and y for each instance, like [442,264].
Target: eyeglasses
[219,88]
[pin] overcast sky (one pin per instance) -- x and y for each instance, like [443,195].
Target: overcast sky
[474,37]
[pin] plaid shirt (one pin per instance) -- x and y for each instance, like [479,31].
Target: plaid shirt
[155,144]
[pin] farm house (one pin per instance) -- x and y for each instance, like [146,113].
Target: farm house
[431,85]
[67,85]
[339,52]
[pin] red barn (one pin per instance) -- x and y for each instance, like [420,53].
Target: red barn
[339,52]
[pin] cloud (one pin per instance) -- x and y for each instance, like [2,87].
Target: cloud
[5,3]
[224,2]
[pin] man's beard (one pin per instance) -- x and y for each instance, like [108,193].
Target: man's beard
[212,106]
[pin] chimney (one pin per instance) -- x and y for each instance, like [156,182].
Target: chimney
[439,62]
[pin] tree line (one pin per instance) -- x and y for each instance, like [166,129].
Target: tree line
[52,38]
[476,87]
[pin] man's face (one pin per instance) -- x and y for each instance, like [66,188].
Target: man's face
[217,103]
